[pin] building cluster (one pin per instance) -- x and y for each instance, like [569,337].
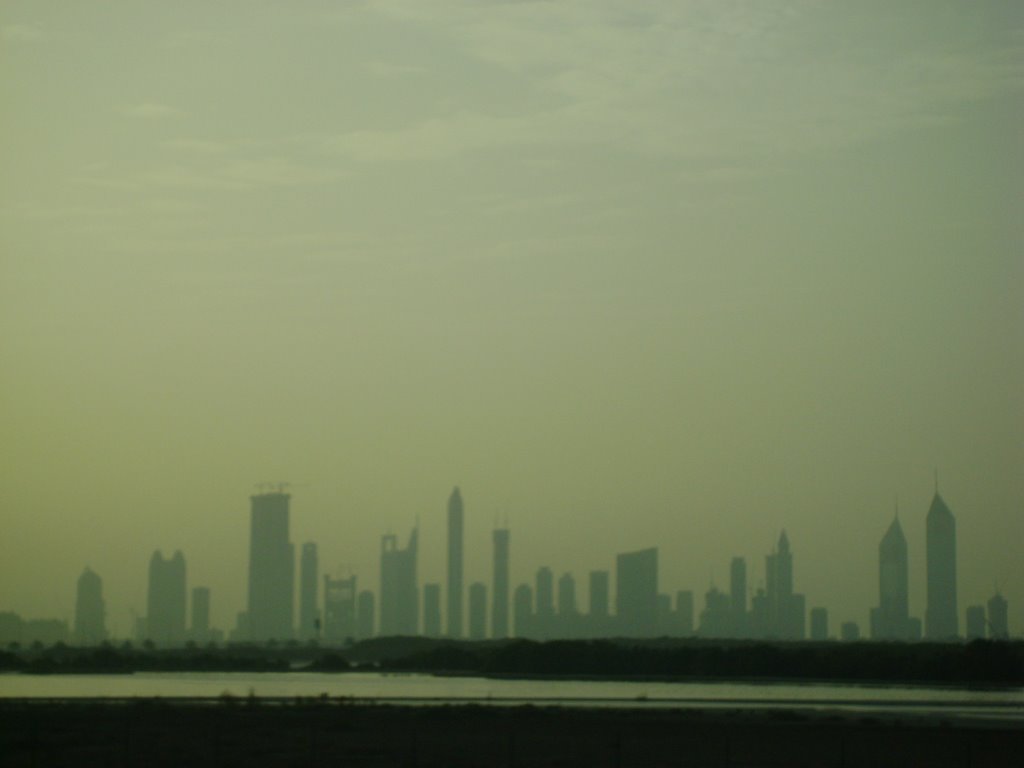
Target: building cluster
[334,610]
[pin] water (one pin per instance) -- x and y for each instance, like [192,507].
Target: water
[414,688]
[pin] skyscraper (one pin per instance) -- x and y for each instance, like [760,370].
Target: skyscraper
[339,623]
[940,618]
[998,625]
[786,610]
[309,616]
[271,569]
[432,610]
[522,611]
[455,564]
[499,585]
[636,593]
[891,619]
[166,599]
[399,588]
[738,597]
[544,597]
[477,610]
[366,615]
[90,611]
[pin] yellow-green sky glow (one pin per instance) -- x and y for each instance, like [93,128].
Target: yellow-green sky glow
[630,273]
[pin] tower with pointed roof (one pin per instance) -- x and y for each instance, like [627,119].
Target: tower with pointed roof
[940,617]
[454,613]
[785,610]
[891,619]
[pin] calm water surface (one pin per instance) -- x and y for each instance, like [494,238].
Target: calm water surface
[426,688]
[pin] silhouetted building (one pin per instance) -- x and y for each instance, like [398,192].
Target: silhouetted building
[819,624]
[738,597]
[432,610]
[455,564]
[309,576]
[998,623]
[14,629]
[975,622]
[849,631]
[684,613]
[166,603]
[940,617]
[544,609]
[891,619]
[399,591]
[341,612]
[599,595]
[785,609]
[366,615]
[636,593]
[567,595]
[499,585]
[522,611]
[90,611]
[200,628]
[271,569]
[716,618]
[477,610]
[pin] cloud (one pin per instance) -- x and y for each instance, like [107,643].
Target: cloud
[151,110]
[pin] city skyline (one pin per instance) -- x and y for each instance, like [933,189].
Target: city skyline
[684,274]
[409,603]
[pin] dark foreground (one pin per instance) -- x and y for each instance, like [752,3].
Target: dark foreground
[316,733]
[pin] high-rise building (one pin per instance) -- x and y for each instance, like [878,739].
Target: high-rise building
[716,618]
[366,615]
[998,625]
[271,569]
[544,602]
[940,617]
[891,619]
[636,593]
[684,613]
[309,576]
[432,610]
[566,595]
[785,618]
[522,611]
[477,610]
[200,628]
[738,597]
[819,624]
[455,564]
[499,585]
[399,589]
[90,611]
[340,623]
[166,600]
[599,595]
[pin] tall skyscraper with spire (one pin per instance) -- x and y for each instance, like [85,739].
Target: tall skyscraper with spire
[271,569]
[499,585]
[786,610]
[455,564]
[891,619]
[309,579]
[940,618]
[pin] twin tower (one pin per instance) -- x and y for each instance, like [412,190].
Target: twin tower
[891,620]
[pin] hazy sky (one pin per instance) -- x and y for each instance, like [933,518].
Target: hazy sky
[631,273]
